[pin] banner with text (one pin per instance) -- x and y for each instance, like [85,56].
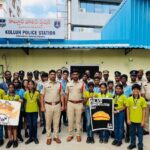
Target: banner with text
[31,28]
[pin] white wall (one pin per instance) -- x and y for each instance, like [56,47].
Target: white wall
[87,19]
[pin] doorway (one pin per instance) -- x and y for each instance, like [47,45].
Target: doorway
[82,69]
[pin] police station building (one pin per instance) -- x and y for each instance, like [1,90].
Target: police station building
[29,44]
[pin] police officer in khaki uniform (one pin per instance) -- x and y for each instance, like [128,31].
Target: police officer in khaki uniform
[117,77]
[51,98]
[133,76]
[146,94]
[74,97]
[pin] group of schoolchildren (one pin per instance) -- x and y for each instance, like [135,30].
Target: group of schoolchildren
[129,105]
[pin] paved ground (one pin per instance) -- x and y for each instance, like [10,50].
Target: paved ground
[73,145]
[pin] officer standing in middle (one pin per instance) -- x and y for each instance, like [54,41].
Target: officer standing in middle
[74,96]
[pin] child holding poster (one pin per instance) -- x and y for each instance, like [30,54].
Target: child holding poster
[87,95]
[119,114]
[31,108]
[12,130]
[104,134]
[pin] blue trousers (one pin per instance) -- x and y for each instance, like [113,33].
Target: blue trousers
[32,122]
[104,134]
[1,132]
[119,125]
[88,122]
[136,128]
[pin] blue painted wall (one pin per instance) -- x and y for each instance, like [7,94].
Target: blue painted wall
[131,22]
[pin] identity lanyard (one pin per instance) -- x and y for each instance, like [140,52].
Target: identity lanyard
[31,97]
[11,98]
[117,98]
[91,94]
[135,101]
[104,95]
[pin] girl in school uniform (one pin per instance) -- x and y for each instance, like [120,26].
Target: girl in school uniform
[31,108]
[104,134]
[119,115]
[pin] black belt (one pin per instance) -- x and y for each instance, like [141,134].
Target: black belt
[52,103]
[76,102]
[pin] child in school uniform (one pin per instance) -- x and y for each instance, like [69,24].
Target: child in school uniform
[136,106]
[119,115]
[31,108]
[104,134]
[87,95]
[12,130]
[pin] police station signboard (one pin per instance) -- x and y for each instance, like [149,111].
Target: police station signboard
[31,28]
[101,111]
[9,112]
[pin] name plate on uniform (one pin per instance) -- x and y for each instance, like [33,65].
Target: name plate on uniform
[102,116]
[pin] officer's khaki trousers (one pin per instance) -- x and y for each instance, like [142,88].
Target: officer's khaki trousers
[52,115]
[146,128]
[74,112]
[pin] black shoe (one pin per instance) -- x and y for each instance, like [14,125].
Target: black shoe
[114,142]
[92,140]
[20,138]
[26,134]
[15,144]
[88,140]
[131,147]
[44,131]
[36,141]
[101,140]
[106,141]
[1,142]
[119,143]
[145,132]
[140,148]
[127,140]
[29,141]
[9,144]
